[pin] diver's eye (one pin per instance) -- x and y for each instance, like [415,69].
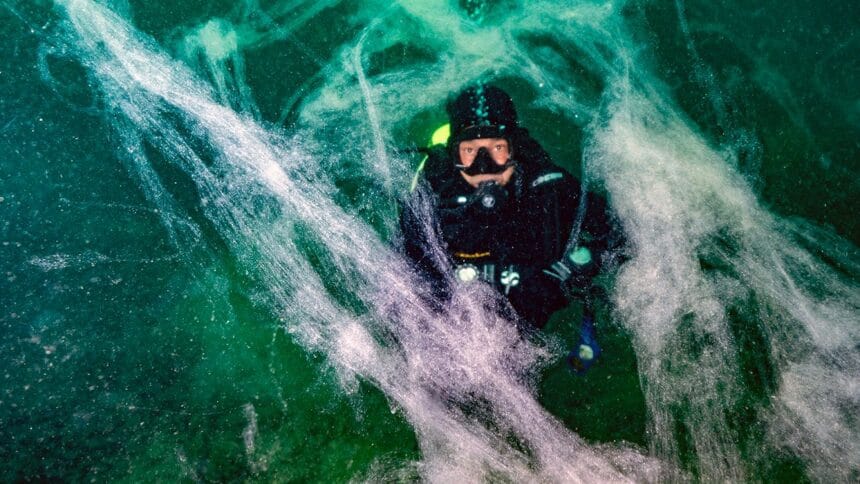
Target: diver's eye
[500,147]
[469,150]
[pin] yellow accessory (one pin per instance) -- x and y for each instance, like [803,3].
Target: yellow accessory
[439,137]
[476,255]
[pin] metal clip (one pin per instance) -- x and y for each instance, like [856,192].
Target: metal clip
[510,278]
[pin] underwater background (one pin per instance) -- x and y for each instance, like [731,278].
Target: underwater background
[200,281]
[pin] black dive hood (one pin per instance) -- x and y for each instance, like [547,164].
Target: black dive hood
[484,164]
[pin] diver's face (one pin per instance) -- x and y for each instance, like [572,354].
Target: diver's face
[500,152]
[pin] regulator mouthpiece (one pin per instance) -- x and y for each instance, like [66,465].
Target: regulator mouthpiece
[489,198]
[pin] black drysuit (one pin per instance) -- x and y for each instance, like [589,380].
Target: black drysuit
[444,231]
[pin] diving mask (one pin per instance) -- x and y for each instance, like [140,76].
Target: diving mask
[484,164]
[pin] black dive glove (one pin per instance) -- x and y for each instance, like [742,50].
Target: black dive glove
[574,271]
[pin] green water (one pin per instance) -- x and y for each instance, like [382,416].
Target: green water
[174,320]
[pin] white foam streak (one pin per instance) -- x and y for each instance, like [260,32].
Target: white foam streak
[681,204]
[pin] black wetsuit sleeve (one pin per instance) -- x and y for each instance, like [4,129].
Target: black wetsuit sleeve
[596,232]
[601,233]
[420,241]
[539,298]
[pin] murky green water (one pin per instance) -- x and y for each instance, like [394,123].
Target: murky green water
[196,213]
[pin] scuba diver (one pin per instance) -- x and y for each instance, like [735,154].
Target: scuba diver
[491,206]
